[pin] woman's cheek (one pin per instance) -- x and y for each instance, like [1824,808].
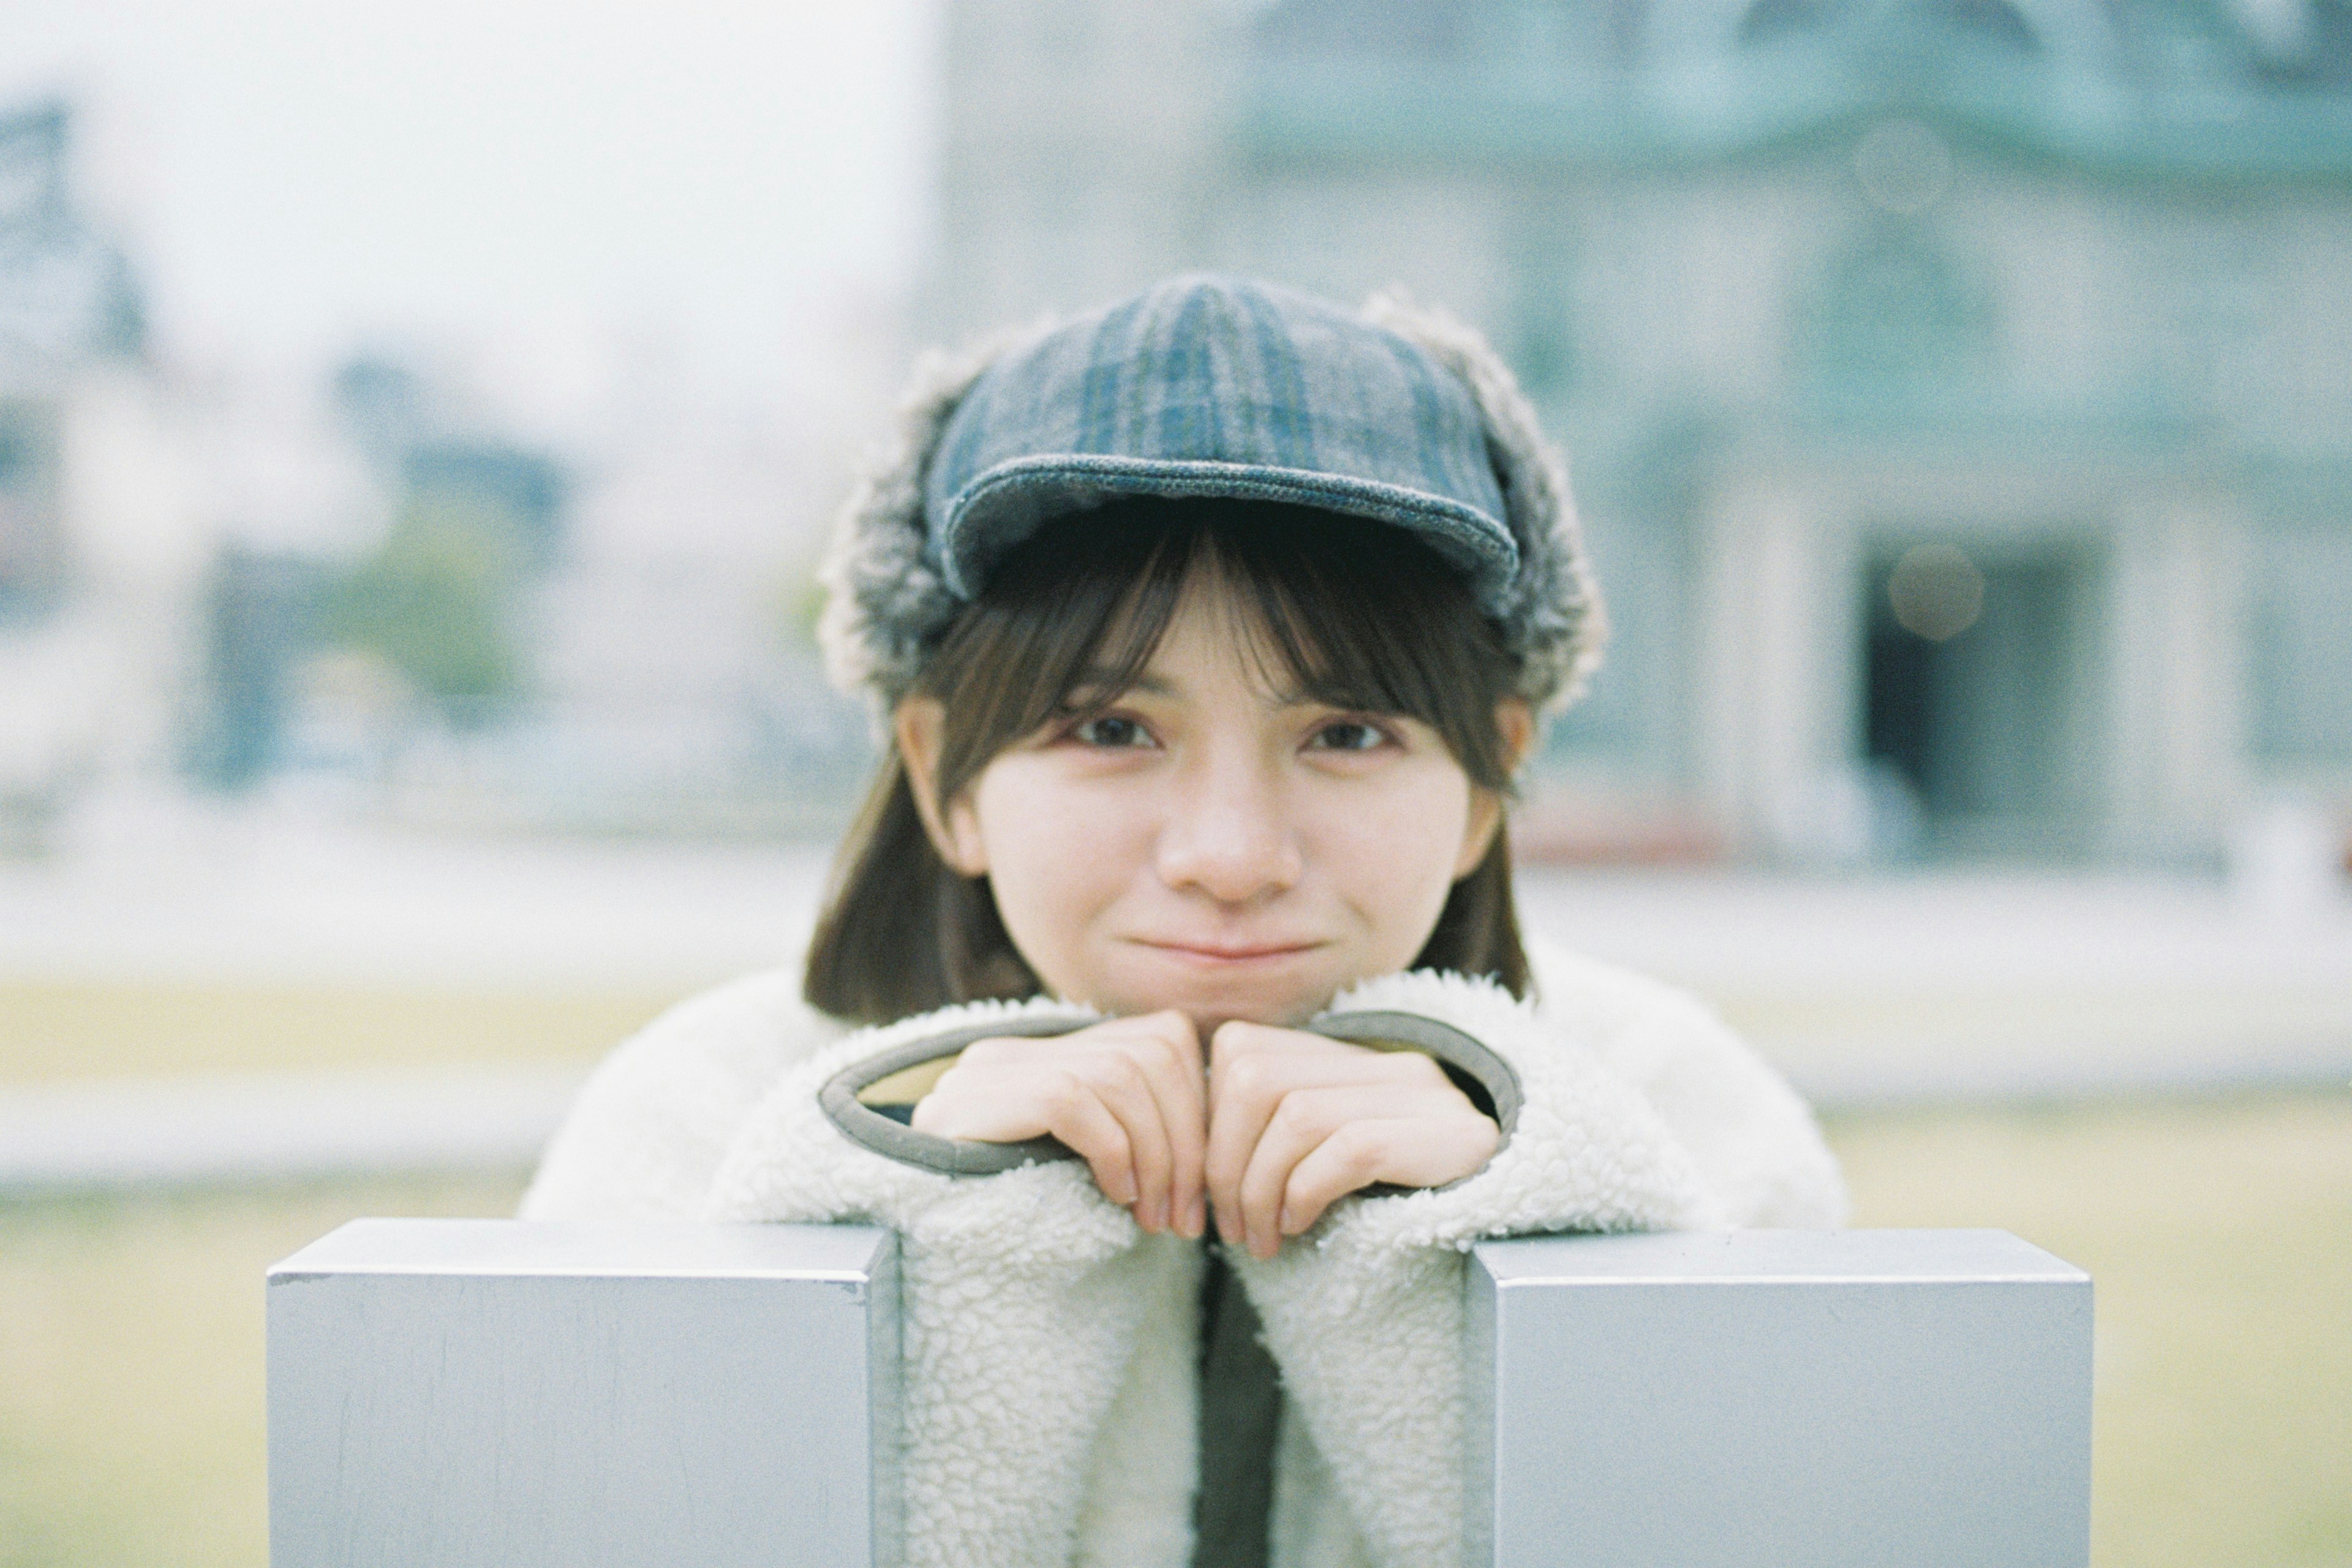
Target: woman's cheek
[1394,850]
[1059,858]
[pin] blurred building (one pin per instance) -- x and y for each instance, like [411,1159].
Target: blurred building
[96,555]
[1958,392]
[607,636]
[672,686]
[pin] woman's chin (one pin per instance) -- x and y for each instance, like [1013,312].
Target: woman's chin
[1210,1002]
[1281,988]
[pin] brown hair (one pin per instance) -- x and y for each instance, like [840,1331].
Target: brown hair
[1358,614]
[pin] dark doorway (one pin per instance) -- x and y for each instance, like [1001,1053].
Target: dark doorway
[1900,704]
[1971,691]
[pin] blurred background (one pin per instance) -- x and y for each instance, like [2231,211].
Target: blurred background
[418,428]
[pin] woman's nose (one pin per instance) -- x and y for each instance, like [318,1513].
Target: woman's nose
[1226,835]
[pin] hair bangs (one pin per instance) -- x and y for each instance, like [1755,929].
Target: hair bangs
[1361,616]
[1068,624]
[1364,616]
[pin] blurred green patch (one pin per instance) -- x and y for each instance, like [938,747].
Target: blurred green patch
[131,1418]
[437,602]
[2219,1236]
[107,1030]
[2220,1233]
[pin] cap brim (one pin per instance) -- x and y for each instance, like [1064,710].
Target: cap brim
[1005,504]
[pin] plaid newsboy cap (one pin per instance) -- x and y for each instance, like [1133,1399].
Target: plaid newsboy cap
[1208,385]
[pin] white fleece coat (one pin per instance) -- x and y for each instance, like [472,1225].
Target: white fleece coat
[1049,1400]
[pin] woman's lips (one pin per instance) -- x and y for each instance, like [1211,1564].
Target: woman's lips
[1229,956]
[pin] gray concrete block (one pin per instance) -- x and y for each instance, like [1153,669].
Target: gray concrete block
[1755,1399]
[446,1393]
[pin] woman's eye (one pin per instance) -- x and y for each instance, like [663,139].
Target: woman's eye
[1349,735]
[1110,732]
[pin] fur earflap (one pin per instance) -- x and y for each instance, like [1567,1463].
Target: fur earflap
[886,605]
[1555,620]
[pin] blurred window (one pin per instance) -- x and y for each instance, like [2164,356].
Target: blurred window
[31,555]
[1769,19]
[1994,19]
[1543,347]
[1063,29]
[2303,629]
[1408,29]
[1630,717]
[15,474]
[2182,43]
[2326,56]
[1997,20]
[1892,311]
[33,169]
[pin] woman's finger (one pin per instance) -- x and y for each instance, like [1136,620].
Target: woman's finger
[1252,1075]
[1241,1098]
[1419,1150]
[1076,1115]
[1121,1084]
[1165,1048]
[1353,1157]
[1237,1041]
[988,1101]
[1303,1121]
[1168,1055]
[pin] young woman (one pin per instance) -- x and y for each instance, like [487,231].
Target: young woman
[1170,1002]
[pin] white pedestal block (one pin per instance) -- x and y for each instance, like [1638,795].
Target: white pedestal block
[446,1393]
[463,1394]
[1779,1399]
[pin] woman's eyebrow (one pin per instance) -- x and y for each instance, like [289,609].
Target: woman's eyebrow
[1344,701]
[1104,686]
[1299,695]
[1092,682]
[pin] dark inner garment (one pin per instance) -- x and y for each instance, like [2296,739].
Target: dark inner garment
[1240,1403]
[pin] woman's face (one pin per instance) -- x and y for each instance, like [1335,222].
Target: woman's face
[1209,845]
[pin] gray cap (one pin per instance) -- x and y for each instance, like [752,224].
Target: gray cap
[1206,385]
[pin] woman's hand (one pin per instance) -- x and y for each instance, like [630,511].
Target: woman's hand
[1288,1123]
[1298,1121]
[1126,1094]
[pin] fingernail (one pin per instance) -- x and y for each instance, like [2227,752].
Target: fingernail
[1287,1229]
[1195,1221]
